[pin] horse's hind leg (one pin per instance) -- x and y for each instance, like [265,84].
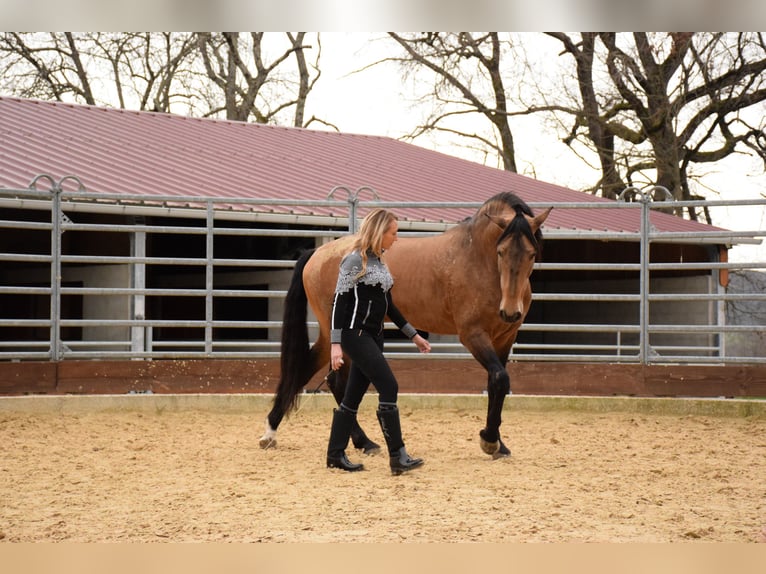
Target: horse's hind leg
[336,381]
[269,438]
[288,389]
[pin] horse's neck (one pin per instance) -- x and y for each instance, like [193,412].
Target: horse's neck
[484,235]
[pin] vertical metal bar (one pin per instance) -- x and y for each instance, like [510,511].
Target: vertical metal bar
[647,198]
[619,343]
[138,282]
[55,311]
[720,307]
[209,280]
[353,203]
[644,282]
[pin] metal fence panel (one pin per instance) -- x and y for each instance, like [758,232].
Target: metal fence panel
[83,289]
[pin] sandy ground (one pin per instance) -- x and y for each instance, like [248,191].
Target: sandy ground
[201,477]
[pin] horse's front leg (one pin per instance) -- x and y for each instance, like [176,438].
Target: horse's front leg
[498,386]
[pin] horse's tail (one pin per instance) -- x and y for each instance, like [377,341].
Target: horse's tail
[294,361]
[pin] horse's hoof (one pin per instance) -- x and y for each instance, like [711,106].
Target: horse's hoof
[490,447]
[494,448]
[268,442]
[269,438]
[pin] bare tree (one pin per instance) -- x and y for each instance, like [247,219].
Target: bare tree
[672,101]
[44,66]
[587,116]
[132,70]
[467,73]
[153,68]
[653,108]
[255,84]
[196,74]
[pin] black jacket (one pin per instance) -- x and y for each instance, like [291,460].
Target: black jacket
[363,303]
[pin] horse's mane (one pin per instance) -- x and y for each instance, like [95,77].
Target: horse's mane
[519,225]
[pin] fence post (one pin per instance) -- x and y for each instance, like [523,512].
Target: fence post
[353,202]
[645,282]
[55,295]
[643,278]
[138,334]
[645,198]
[210,243]
[57,216]
[55,352]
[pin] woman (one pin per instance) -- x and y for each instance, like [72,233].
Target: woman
[362,301]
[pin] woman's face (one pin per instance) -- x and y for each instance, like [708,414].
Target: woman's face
[389,236]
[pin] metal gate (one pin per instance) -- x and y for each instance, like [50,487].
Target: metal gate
[100,276]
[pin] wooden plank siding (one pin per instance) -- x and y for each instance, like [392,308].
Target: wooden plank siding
[414,375]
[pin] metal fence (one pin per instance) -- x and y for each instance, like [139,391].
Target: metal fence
[81,279]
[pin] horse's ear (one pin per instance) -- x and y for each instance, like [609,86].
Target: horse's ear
[538,220]
[499,220]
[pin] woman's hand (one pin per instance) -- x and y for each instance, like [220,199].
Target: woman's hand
[422,344]
[336,356]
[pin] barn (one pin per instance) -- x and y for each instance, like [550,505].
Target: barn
[146,251]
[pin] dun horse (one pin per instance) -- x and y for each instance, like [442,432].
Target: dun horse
[472,280]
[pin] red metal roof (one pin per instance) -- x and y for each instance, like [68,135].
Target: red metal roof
[153,154]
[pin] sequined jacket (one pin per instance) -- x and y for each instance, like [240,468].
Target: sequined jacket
[363,303]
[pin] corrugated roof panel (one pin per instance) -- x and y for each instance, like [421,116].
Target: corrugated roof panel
[152,154]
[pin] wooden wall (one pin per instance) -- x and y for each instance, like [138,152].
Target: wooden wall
[414,375]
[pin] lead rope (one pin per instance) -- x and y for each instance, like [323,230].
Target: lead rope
[314,392]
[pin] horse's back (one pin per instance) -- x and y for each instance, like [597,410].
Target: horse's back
[321,275]
[427,285]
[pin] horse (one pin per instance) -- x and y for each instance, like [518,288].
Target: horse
[471,280]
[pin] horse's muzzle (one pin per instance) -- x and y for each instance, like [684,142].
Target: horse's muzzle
[512,318]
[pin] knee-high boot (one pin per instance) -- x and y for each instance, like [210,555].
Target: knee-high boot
[392,431]
[342,421]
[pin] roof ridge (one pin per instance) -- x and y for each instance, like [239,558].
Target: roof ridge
[173,115]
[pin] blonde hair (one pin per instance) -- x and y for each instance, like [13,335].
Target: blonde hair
[370,234]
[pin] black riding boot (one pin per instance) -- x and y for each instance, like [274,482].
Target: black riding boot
[392,431]
[342,421]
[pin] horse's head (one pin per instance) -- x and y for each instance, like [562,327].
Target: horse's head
[518,247]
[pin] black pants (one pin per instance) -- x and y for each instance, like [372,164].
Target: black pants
[368,365]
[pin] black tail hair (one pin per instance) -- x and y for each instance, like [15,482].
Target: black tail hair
[295,363]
